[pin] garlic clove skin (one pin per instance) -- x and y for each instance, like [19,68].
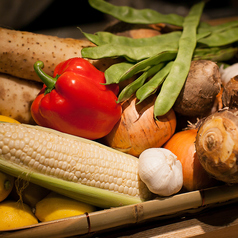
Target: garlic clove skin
[160,170]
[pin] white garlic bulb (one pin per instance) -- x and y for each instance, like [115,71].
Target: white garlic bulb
[160,170]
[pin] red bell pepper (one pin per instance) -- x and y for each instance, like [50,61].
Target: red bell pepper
[76,100]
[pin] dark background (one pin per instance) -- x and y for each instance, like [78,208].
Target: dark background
[62,18]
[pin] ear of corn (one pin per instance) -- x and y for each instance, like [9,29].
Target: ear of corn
[79,168]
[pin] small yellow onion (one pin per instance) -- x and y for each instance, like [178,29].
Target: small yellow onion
[137,130]
[182,144]
[217,145]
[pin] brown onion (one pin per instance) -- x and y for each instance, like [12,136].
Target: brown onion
[138,130]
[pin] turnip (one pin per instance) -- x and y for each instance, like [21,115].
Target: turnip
[217,145]
[199,92]
[230,93]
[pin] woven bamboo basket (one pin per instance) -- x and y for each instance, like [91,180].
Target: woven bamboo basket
[87,224]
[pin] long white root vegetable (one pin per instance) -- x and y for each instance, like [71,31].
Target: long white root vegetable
[16,96]
[19,51]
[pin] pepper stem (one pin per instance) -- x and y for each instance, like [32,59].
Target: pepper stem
[45,78]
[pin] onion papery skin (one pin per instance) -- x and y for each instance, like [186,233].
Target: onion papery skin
[182,144]
[217,145]
[138,130]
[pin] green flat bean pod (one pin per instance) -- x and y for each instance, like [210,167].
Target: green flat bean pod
[203,34]
[102,38]
[175,80]
[204,29]
[110,45]
[131,15]
[125,70]
[94,38]
[130,53]
[220,38]
[132,87]
[152,85]
[154,60]
[223,27]
[215,54]
[114,73]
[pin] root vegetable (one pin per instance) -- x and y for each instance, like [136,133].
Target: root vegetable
[217,145]
[230,93]
[16,97]
[135,30]
[199,92]
[137,129]
[228,73]
[20,50]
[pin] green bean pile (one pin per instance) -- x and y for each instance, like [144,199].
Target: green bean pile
[161,63]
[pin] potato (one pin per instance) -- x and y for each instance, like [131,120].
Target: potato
[20,50]
[199,92]
[16,97]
